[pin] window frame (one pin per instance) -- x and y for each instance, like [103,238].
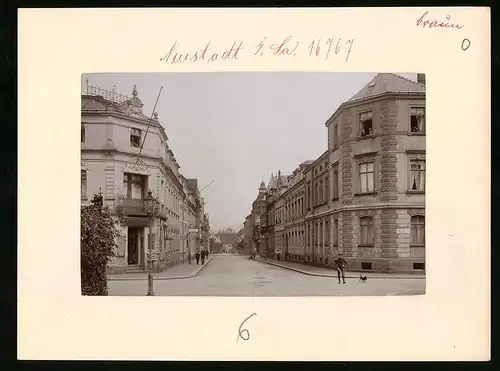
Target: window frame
[83,132]
[336,232]
[360,123]
[336,135]
[371,230]
[416,156]
[417,106]
[83,176]
[362,161]
[132,135]
[412,224]
[335,182]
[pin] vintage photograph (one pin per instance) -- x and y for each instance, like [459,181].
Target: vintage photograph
[253,184]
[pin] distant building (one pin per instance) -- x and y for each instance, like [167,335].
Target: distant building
[294,201]
[248,235]
[317,218]
[226,239]
[238,241]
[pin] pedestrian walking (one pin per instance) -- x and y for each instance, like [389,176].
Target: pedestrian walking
[197,256]
[203,253]
[340,264]
[189,258]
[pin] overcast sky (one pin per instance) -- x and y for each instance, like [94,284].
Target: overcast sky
[237,127]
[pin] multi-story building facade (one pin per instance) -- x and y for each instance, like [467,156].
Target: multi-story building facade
[258,208]
[271,228]
[238,241]
[317,184]
[294,200]
[125,155]
[205,232]
[248,234]
[268,230]
[377,145]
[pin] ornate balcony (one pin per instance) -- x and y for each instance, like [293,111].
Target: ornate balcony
[130,206]
[133,206]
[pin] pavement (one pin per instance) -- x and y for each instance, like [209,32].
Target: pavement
[180,271]
[229,275]
[325,272]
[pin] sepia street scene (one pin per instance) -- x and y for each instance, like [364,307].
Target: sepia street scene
[253,184]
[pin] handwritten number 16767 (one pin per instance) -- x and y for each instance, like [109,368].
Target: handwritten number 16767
[317,47]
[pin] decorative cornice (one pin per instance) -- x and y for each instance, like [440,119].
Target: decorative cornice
[416,212]
[366,154]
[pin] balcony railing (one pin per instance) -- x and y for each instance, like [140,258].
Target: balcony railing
[128,206]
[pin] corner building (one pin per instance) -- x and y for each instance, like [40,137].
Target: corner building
[376,207]
[125,154]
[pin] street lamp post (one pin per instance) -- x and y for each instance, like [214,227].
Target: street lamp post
[149,202]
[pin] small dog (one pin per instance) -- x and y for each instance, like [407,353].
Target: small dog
[363,278]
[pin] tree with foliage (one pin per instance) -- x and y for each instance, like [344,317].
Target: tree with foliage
[98,234]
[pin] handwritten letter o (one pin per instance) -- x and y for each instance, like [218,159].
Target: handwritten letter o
[465,44]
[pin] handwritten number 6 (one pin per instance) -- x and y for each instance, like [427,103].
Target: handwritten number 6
[240,331]
[465,44]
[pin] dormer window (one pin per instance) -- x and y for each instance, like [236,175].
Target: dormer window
[135,138]
[366,123]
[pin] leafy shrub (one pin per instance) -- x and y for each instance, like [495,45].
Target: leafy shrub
[98,234]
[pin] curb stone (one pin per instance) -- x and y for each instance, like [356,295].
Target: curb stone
[162,278]
[334,275]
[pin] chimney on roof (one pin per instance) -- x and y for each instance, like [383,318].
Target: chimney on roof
[421,78]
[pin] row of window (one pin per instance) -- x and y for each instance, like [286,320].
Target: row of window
[366,127]
[366,180]
[319,232]
[135,136]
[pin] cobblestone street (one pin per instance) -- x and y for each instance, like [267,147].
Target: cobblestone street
[233,275]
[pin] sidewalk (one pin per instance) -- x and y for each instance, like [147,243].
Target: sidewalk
[325,272]
[178,272]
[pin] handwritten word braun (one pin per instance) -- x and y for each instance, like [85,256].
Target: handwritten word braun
[204,55]
[422,21]
[322,47]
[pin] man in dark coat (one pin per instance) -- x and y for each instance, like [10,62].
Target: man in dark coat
[340,264]
[203,254]
[197,256]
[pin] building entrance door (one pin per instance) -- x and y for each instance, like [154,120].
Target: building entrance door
[133,246]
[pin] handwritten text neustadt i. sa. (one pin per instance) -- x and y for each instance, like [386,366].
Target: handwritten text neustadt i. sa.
[327,48]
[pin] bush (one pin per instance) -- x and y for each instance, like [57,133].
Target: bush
[98,234]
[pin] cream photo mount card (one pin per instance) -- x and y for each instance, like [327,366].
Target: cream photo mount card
[450,46]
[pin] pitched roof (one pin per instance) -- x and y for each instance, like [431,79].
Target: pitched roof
[383,83]
[273,181]
[388,83]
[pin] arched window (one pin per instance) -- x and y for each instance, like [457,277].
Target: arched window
[366,231]
[417,230]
